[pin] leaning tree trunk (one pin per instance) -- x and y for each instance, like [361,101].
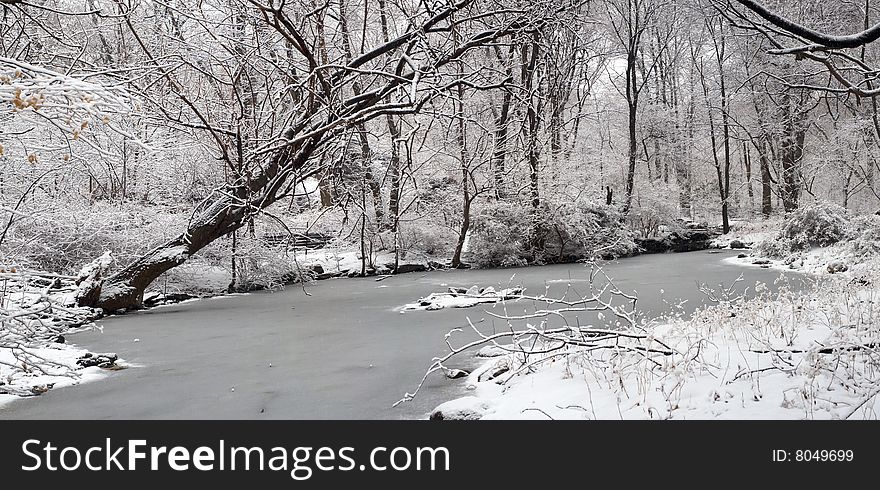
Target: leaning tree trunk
[223,215]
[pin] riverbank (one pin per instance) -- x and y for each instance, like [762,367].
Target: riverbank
[791,354]
[820,239]
[37,312]
[787,355]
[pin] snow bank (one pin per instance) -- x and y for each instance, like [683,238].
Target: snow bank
[745,234]
[782,356]
[818,239]
[53,365]
[36,311]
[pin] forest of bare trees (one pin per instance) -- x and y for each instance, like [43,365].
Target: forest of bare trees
[481,132]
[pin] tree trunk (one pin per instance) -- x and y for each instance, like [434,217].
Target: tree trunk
[766,178]
[532,121]
[747,163]
[366,151]
[394,134]
[499,153]
[467,198]
[791,149]
[632,155]
[221,216]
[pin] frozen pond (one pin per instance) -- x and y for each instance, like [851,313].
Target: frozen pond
[339,349]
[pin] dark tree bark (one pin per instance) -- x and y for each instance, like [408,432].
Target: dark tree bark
[532,88]
[394,133]
[467,197]
[747,166]
[723,173]
[791,150]
[221,217]
[630,26]
[499,153]
[869,35]
[766,177]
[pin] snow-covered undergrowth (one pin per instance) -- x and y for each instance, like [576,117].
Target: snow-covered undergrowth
[36,311]
[821,238]
[748,233]
[810,354]
[504,233]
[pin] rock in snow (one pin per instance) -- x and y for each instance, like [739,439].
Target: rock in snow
[105,361]
[491,351]
[836,266]
[465,408]
[454,373]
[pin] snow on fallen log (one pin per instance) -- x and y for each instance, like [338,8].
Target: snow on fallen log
[464,298]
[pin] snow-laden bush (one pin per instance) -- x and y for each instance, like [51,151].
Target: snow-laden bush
[652,213]
[65,236]
[499,235]
[776,248]
[260,265]
[866,237]
[585,229]
[506,233]
[427,238]
[821,224]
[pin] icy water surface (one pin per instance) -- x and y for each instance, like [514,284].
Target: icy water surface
[339,349]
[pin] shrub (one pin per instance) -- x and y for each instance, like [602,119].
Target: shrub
[777,248]
[585,229]
[427,238]
[567,230]
[499,235]
[65,236]
[652,215]
[866,236]
[819,224]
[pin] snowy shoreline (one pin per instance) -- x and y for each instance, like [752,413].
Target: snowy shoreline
[791,355]
[37,312]
[737,360]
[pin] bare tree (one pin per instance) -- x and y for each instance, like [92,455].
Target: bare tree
[284,159]
[630,21]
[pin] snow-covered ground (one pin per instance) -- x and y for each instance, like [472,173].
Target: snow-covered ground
[345,260]
[854,249]
[794,355]
[52,365]
[748,233]
[36,311]
[833,259]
